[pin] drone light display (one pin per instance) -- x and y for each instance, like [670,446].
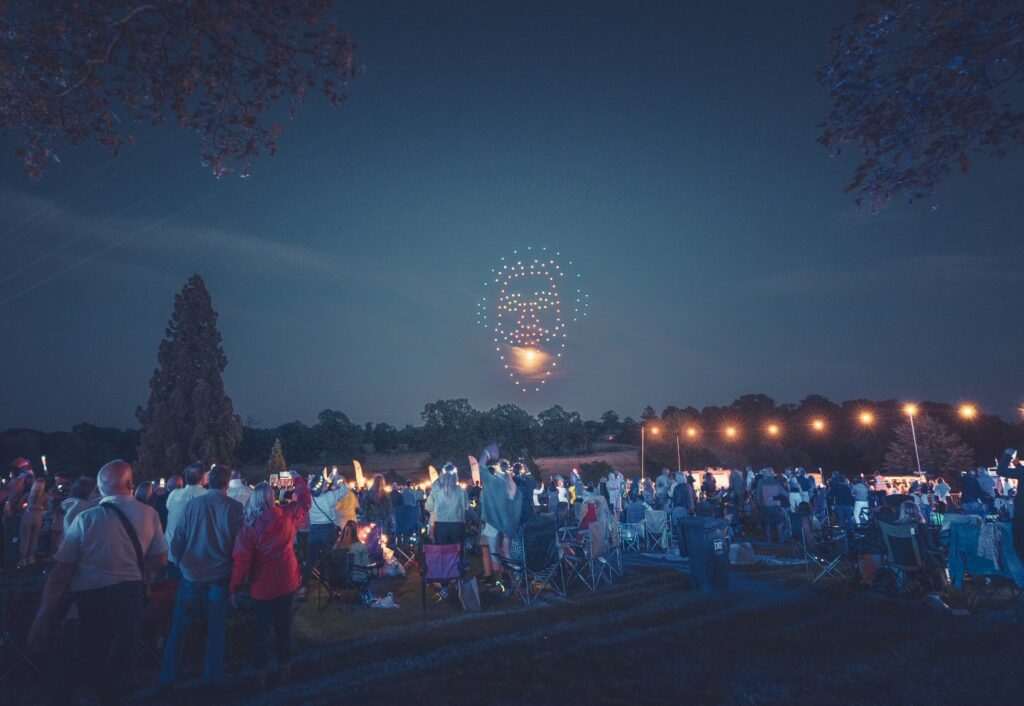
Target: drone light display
[533,299]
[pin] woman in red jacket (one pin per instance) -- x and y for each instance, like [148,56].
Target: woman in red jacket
[264,553]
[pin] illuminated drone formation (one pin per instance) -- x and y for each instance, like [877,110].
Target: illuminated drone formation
[534,300]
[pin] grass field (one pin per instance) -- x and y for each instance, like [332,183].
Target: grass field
[769,640]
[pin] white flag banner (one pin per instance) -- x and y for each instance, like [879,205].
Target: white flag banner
[359,473]
[433,474]
[474,468]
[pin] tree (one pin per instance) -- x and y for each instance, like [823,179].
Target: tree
[942,452]
[189,416]
[560,431]
[76,70]
[920,85]
[337,438]
[450,429]
[513,428]
[385,438]
[276,462]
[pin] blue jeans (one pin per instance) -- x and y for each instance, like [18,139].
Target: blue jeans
[193,600]
[844,516]
[321,539]
[274,614]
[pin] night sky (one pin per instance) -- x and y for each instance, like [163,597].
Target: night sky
[667,148]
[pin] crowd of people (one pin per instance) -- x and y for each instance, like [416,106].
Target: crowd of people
[229,545]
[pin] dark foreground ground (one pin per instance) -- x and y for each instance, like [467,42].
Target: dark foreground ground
[647,639]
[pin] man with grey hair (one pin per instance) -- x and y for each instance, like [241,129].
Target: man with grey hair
[202,542]
[177,501]
[237,487]
[104,561]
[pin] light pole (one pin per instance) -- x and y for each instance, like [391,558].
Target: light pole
[643,431]
[911,410]
[679,457]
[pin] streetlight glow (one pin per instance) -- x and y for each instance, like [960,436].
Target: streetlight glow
[867,418]
[730,432]
[910,409]
[818,425]
[691,432]
[773,429]
[968,411]
[655,430]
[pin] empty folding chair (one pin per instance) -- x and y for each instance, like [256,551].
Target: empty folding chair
[440,564]
[407,534]
[539,568]
[821,557]
[338,575]
[656,533]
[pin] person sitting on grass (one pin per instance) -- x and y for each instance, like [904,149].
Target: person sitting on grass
[263,556]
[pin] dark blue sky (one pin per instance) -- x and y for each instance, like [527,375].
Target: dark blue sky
[668,148]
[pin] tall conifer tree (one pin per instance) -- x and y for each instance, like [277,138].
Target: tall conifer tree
[189,416]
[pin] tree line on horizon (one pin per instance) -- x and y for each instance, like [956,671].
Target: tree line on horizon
[453,428]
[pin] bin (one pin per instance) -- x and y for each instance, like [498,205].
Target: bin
[707,544]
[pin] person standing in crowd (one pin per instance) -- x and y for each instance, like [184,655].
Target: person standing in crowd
[987,483]
[942,490]
[17,489]
[347,508]
[972,497]
[177,501]
[859,491]
[769,500]
[144,493]
[1009,467]
[842,500]
[173,483]
[203,541]
[263,555]
[526,483]
[81,496]
[684,499]
[661,488]
[377,506]
[616,489]
[104,560]
[237,487]
[500,512]
[447,505]
[32,521]
[323,521]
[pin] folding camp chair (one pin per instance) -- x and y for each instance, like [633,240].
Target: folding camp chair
[904,557]
[337,574]
[821,557]
[20,608]
[407,534]
[656,533]
[157,618]
[631,536]
[539,568]
[586,559]
[440,564]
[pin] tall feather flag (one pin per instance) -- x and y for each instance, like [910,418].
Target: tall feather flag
[433,474]
[474,469]
[359,473]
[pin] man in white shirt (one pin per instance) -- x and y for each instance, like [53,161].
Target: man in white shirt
[194,474]
[238,489]
[615,484]
[103,560]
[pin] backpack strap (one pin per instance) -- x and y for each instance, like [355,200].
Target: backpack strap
[130,531]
